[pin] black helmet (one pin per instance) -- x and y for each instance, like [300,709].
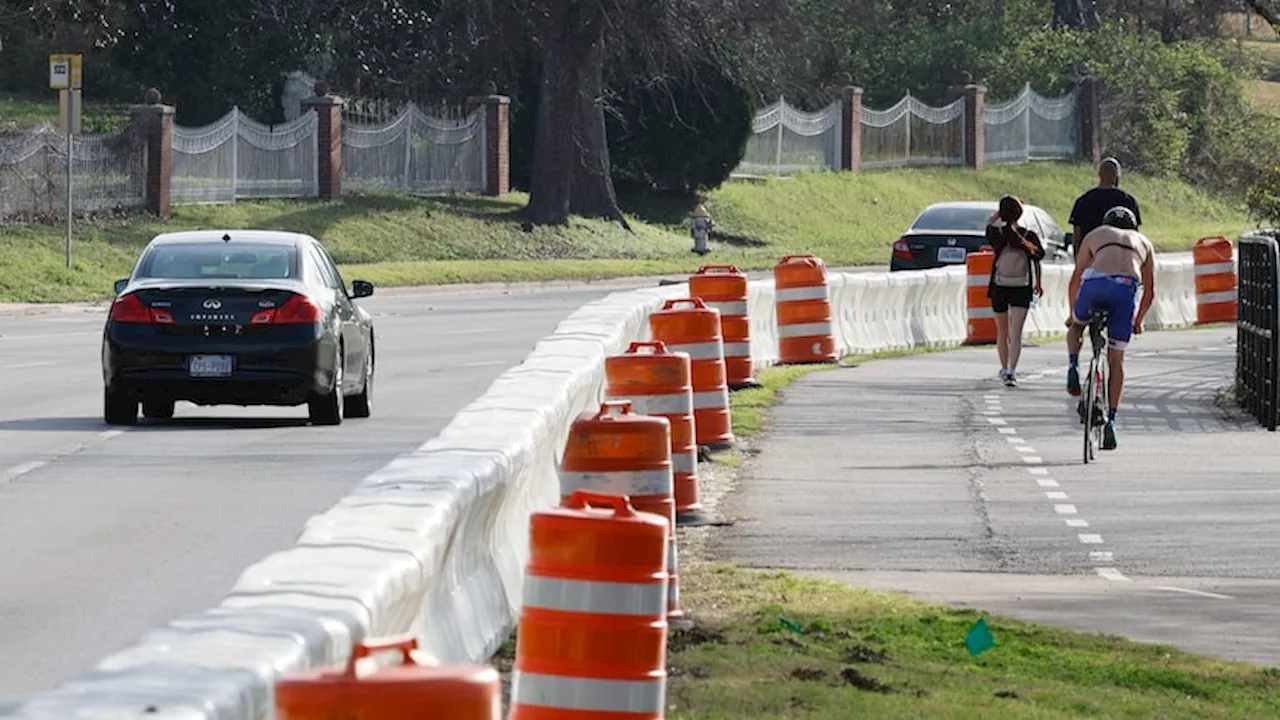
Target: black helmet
[1121,217]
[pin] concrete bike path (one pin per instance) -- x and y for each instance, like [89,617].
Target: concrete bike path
[926,475]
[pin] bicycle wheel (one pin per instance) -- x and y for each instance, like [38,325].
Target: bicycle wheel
[1090,396]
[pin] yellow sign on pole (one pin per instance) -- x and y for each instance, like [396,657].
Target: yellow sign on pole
[66,71]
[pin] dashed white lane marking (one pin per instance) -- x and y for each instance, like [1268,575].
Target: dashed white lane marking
[1047,482]
[27,365]
[1056,495]
[30,466]
[997,421]
[1190,591]
[1077,523]
[991,397]
[1032,459]
[1065,509]
[1007,431]
[1110,573]
[484,363]
[991,412]
[1014,439]
[1038,471]
[1101,556]
[1090,538]
[1024,448]
[18,471]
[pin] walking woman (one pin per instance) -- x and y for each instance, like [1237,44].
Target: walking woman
[1015,278]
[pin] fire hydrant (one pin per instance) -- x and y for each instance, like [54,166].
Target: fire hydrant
[702,227]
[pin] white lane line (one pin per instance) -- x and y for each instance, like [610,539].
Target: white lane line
[1014,439]
[45,336]
[1101,556]
[1047,483]
[1032,459]
[1189,591]
[997,421]
[484,363]
[1007,431]
[992,397]
[481,331]
[108,434]
[1077,523]
[1024,449]
[1090,538]
[1065,509]
[26,365]
[990,412]
[1056,495]
[1038,471]
[1110,573]
[30,466]
[18,471]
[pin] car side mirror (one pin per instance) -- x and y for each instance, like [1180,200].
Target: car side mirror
[121,284]
[361,288]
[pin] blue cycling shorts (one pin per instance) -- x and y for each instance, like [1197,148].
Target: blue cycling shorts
[1118,295]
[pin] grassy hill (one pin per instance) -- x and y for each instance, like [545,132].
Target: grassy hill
[397,240]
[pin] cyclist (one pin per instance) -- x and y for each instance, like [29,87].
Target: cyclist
[1113,259]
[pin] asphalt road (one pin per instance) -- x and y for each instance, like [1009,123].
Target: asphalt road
[925,475]
[105,533]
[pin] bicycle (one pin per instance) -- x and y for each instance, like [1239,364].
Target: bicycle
[1095,393]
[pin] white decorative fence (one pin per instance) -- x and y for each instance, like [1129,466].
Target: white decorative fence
[913,133]
[416,153]
[786,140]
[108,172]
[1031,127]
[238,158]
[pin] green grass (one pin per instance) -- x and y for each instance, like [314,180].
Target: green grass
[19,113]
[398,240]
[871,654]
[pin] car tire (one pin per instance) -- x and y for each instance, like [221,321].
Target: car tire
[326,409]
[361,406]
[119,408]
[157,408]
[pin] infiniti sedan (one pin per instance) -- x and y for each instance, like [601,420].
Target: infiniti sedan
[945,233]
[237,317]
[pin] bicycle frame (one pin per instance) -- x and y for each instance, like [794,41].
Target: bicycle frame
[1095,401]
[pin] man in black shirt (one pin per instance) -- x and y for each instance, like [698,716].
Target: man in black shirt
[1087,213]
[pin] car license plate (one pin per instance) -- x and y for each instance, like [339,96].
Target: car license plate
[951,254]
[209,365]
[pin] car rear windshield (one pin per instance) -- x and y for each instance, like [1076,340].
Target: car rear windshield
[220,260]
[953,218]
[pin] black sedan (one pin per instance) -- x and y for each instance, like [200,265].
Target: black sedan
[237,317]
[945,233]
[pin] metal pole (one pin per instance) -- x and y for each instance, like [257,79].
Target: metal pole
[70,126]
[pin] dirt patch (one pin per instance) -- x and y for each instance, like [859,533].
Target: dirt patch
[808,673]
[864,654]
[867,684]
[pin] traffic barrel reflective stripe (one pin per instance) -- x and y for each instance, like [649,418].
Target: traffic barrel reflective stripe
[619,453]
[803,311]
[416,689]
[724,289]
[1216,281]
[658,381]
[592,636]
[687,325]
[981,318]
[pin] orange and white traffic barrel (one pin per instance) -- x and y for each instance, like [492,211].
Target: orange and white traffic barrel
[687,325]
[803,310]
[659,382]
[618,452]
[982,319]
[592,639]
[418,688]
[724,288]
[1215,280]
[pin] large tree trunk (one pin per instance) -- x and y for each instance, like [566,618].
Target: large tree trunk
[568,33]
[593,193]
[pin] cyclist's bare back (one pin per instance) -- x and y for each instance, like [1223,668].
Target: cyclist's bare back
[1111,250]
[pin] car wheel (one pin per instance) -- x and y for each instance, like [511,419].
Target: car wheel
[361,406]
[157,408]
[119,408]
[326,409]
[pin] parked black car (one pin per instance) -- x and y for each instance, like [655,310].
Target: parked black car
[945,233]
[237,317]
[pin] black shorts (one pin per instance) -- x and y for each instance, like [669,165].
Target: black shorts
[1002,298]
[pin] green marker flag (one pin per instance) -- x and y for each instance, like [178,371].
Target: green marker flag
[979,639]
[791,624]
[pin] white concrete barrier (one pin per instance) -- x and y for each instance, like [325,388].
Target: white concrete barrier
[435,543]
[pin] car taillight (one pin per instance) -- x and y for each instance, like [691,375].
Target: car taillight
[900,249]
[298,309]
[129,309]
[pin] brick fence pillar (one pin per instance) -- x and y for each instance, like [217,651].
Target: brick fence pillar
[497,141]
[1089,113]
[851,130]
[975,129]
[155,121]
[328,110]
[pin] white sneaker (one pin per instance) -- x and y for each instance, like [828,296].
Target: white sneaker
[1010,380]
